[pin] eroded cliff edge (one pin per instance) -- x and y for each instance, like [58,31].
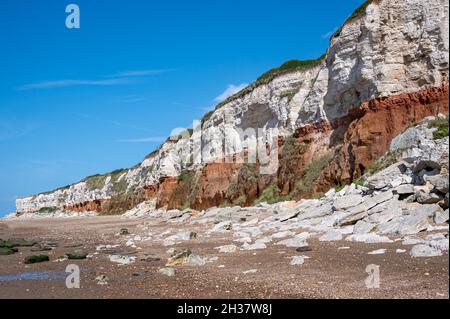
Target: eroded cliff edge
[385,69]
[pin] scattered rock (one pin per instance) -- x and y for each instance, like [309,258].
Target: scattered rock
[297,260]
[425,251]
[124,232]
[303,249]
[122,260]
[441,217]
[170,272]
[378,252]
[227,248]
[400,251]
[222,227]
[179,258]
[195,260]
[255,246]
[251,271]
[297,241]
[102,280]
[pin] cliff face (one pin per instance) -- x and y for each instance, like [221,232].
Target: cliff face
[386,68]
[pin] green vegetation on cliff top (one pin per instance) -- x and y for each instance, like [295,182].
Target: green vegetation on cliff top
[359,12]
[287,67]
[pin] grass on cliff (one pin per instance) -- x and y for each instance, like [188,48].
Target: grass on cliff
[384,162]
[291,149]
[311,173]
[47,210]
[359,12]
[98,181]
[272,195]
[442,128]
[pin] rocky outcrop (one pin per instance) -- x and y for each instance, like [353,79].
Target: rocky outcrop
[385,69]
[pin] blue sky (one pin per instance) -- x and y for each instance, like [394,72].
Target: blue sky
[79,102]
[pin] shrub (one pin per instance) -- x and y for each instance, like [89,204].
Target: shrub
[442,128]
[271,195]
[95,182]
[47,210]
[240,200]
[311,173]
[339,187]
[360,11]
[185,176]
[289,95]
[384,162]
[292,149]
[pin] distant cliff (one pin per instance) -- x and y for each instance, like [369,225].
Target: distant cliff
[385,68]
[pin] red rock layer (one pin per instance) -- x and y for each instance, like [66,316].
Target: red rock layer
[90,206]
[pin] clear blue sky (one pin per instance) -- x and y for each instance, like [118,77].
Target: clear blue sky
[79,102]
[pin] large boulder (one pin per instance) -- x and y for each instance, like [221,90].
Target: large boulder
[440,182]
[417,221]
[441,217]
[315,212]
[390,177]
[424,197]
[406,189]
[371,202]
[352,218]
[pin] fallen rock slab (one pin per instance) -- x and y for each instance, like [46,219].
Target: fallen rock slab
[346,202]
[425,251]
[377,252]
[227,249]
[122,260]
[370,238]
[297,260]
[170,272]
[332,235]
